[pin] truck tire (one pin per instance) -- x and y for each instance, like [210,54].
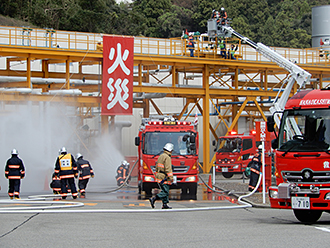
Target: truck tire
[193,189]
[147,189]
[139,188]
[307,216]
[184,190]
[227,174]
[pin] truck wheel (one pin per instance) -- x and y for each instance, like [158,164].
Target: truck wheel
[307,216]
[147,189]
[139,188]
[184,190]
[227,174]
[193,189]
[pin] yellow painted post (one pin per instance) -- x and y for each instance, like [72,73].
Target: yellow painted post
[67,74]
[140,74]
[28,72]
[206,121]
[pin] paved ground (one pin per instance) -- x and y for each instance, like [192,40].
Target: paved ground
[125,219]
[127,199]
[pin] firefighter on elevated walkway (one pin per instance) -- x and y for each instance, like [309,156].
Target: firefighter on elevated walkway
[85,173]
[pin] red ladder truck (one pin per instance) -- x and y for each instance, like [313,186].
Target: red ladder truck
[302,156]
[154,133]
[234,152]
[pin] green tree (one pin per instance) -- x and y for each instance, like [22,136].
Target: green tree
[152,10]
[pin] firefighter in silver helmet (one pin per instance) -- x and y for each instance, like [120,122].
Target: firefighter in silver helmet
[66,169]
[164,176]
[14,171]
[85,173]
[122,172]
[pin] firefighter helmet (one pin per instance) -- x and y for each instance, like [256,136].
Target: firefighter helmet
[125,163]
[14,152]
[79,156]
[169,147]
[260,147]
[63,150]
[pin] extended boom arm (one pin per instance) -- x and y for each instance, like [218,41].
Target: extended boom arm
[297,74]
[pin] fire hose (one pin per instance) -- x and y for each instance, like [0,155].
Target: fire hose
[54,206]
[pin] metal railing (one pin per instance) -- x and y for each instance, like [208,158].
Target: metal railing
[80,41]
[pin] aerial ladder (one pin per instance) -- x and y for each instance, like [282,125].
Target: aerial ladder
[297,74]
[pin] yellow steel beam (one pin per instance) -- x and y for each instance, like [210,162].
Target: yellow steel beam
[206,120]
[156,107]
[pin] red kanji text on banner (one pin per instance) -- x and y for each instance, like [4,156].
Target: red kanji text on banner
[117,83]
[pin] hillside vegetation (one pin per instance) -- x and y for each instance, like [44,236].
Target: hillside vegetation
[285,23]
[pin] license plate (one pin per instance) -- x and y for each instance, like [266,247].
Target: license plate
[300,203]
[224,169]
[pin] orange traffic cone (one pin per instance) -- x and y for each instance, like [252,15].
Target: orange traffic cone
[210,185]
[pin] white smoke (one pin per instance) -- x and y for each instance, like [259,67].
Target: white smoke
[38,131]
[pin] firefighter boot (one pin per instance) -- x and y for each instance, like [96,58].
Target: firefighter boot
[165,206]
[153,200]
[82,195]
[17,197]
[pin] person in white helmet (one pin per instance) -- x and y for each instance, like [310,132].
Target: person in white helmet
[223,16]
[164,176]
[122,172]
[85,173]
[66,169]
[14,171]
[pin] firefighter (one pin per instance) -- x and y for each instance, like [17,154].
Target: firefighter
[222,46]
[122,172]
[215,16]
[99,46]
[164,176]
[14,171]
[55,185]
[255,169]
[231,51]
[85,173]
[66,169]
[191,45]
[223,16]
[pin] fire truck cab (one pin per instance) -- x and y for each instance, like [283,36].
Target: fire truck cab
[234,152]
[154,133]
[303,156]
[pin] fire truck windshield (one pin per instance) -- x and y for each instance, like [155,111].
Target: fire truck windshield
[306,130]
[229,145]
[154,143]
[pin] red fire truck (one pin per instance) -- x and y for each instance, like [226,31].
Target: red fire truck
[234,152]
[303,156]
[154,133]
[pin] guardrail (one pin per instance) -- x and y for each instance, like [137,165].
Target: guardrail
[80,41]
